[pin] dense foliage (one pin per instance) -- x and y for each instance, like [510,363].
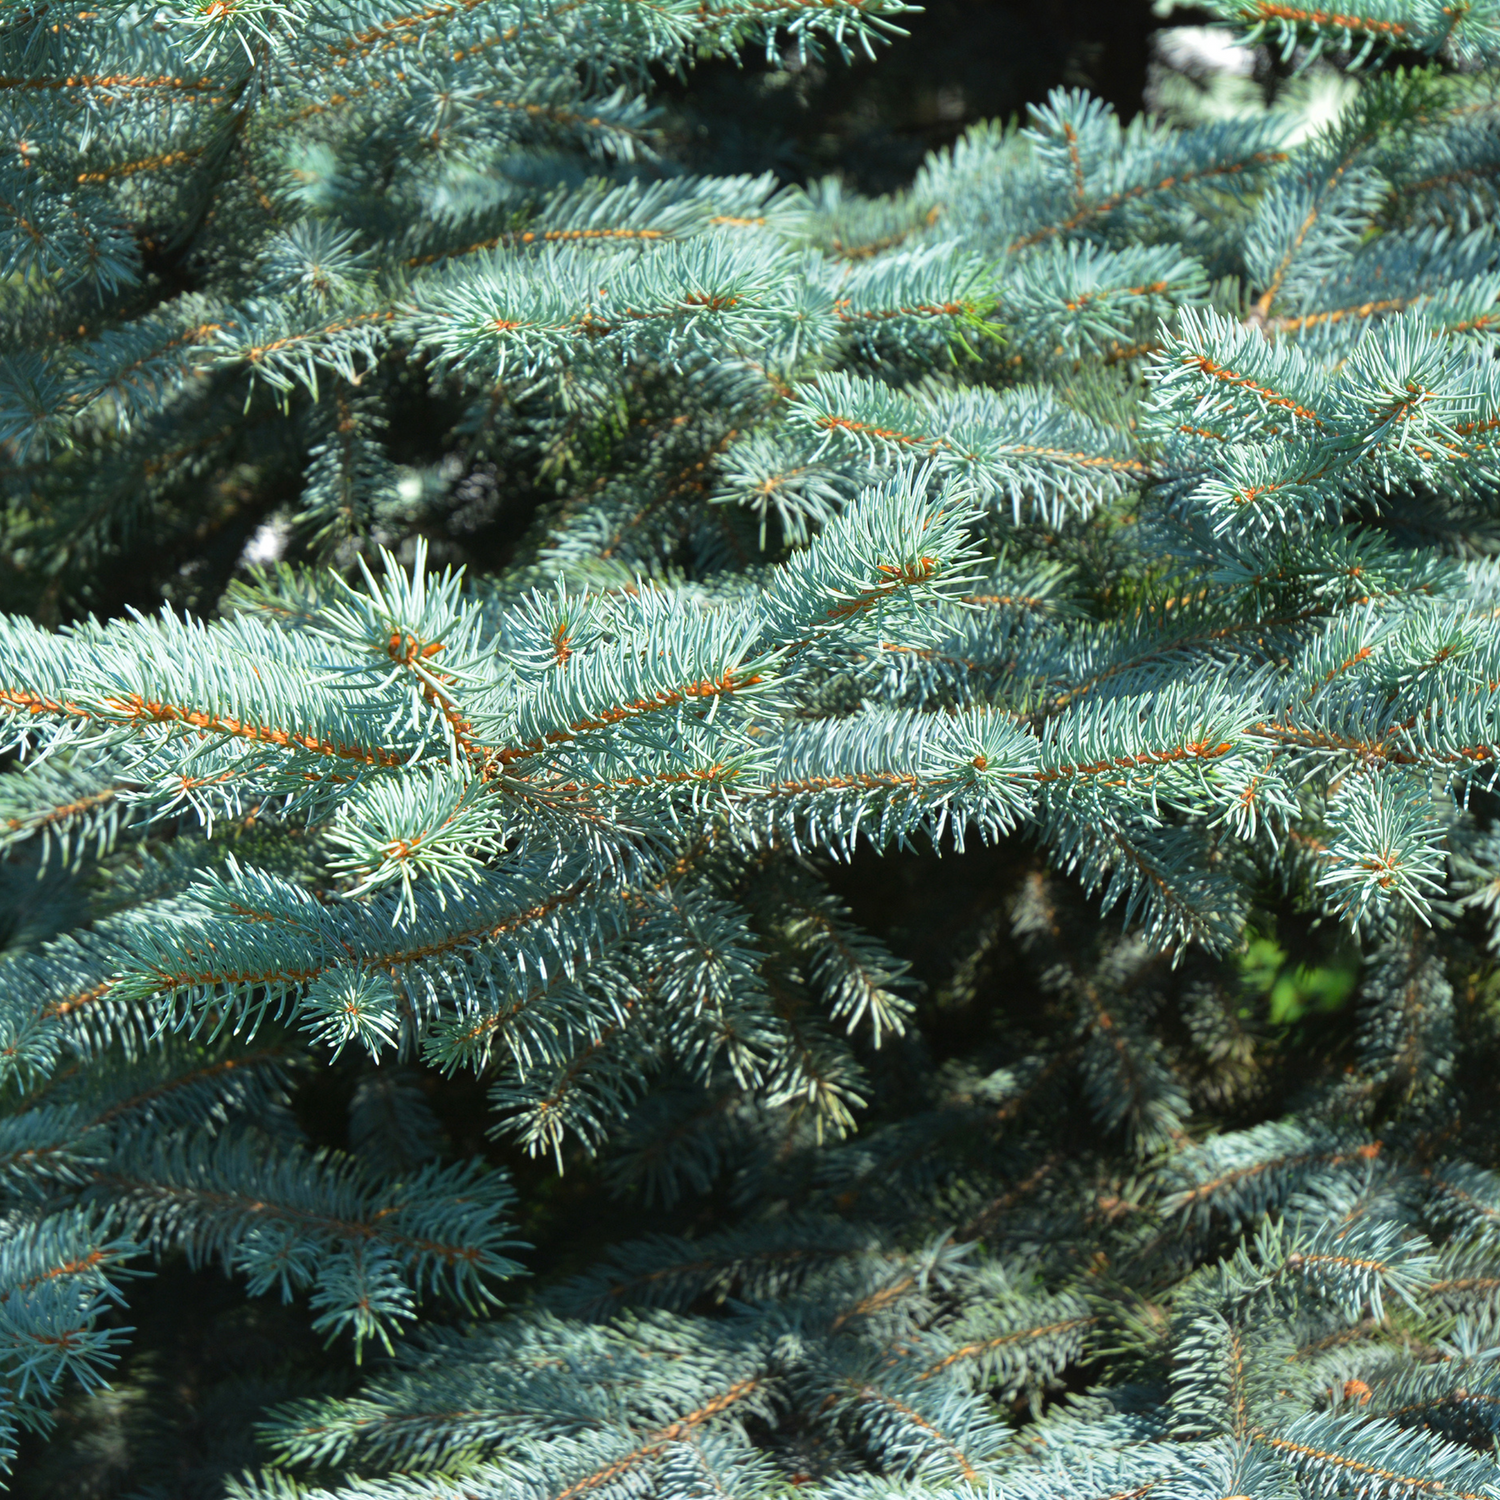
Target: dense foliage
[1090,547]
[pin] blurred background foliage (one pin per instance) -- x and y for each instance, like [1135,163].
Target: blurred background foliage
[873,120]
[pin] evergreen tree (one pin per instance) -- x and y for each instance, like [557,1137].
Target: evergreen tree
[1111,512]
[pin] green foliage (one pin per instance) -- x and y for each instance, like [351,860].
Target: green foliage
[1291,991]
[1111,513]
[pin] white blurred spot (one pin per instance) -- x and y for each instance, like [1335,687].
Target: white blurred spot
[1201,51]
[267,545]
